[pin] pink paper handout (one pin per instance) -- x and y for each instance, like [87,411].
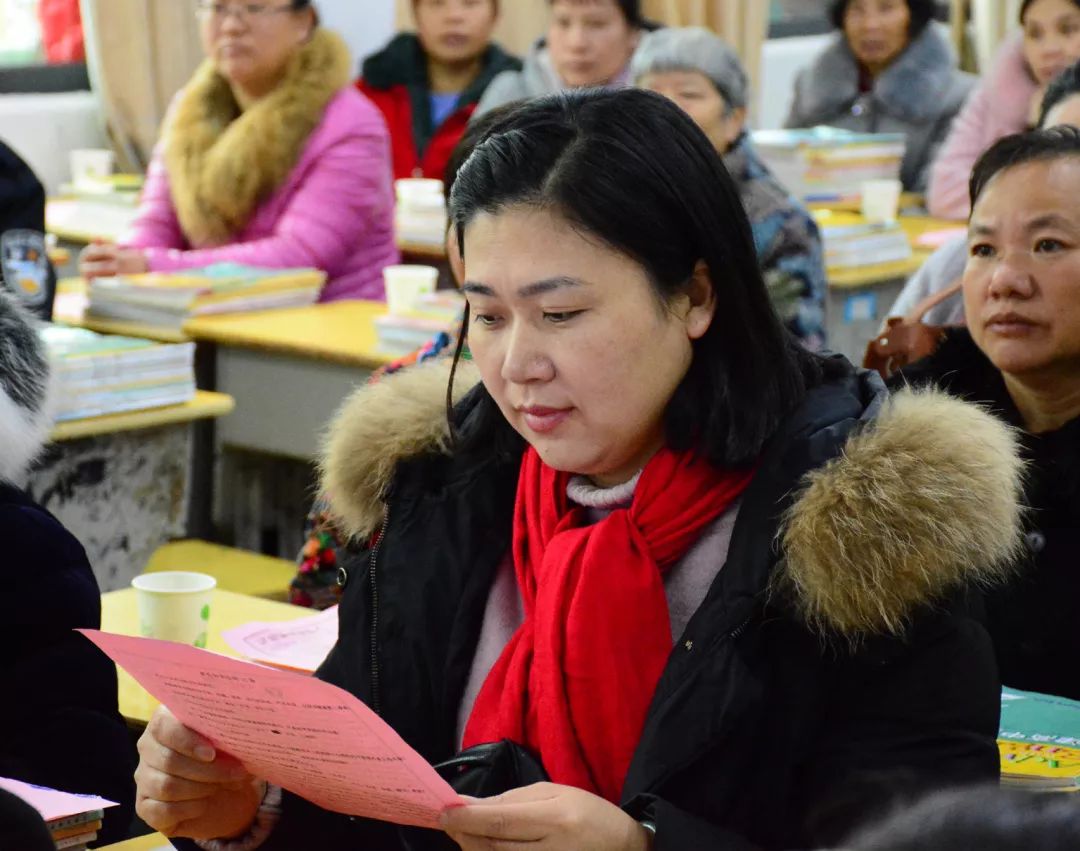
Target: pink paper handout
[300,733]
[53,804]
[938,238]
[299,645]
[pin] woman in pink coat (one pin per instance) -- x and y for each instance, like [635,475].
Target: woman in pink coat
[1007,100]
[269,157]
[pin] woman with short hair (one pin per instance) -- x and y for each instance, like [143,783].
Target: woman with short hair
[269,157]
[427,84]
[706,583]
[589,43]
[888,70]
[1020,357]
[703,75]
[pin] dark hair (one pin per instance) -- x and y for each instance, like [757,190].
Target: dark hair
[668,203]
[1050,143]
[1026,4]
[988,818]
[476,130]
[922,12]
[1064,85]
[631,10]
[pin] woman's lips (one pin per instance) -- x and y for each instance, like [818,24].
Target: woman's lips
[1010,326]
[545,420]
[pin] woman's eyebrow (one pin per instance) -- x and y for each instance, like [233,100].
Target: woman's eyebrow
[529,290]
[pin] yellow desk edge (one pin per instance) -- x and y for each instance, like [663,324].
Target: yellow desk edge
[205,405]
[150,842]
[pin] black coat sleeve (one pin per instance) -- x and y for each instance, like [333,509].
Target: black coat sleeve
[899,719]
[60,725]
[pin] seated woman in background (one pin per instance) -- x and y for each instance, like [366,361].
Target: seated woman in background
[1007,100]
[59,722]
[652,548]
[1020,356]
[427,84]
[1060,106]
[588,43]
[887,71]
[269,157]
[702,74]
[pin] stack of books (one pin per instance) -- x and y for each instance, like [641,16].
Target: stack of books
[1039,742]
[73,820]
[826,164]
[168,300]
[431,315]
[851,246]
[96,375]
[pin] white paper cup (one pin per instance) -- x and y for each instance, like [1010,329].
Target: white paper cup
[880,200]
[174,605]
[89,164]
[405,284]
[418,189]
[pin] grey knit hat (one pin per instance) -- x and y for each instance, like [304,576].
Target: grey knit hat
[694,49]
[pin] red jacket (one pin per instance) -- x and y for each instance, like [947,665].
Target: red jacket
[395,79]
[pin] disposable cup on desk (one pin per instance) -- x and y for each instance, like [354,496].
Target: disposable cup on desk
[405,284]
[880,200]
[91,164]
[417,189]
[175,605]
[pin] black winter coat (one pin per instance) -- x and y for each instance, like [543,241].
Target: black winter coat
[764,732]
[1032,627]
[59,722]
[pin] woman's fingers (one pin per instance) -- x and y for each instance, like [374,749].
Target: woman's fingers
[167,817]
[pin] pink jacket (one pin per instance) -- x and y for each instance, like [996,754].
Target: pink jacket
[998,107]
[335,211]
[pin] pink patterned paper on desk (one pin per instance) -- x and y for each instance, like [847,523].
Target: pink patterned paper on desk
[299,645]
[298,732]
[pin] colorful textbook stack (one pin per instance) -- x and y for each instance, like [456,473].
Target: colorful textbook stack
[73,820]
[851,246]
[169,299]
[95,375]
[825,164]
[1039,742]
[432,314]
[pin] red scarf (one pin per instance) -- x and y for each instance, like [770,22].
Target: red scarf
[575,682]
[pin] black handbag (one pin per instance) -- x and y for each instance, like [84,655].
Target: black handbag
[482,771]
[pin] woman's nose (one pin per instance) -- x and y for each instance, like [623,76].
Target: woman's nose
[523,360]
[1012,277]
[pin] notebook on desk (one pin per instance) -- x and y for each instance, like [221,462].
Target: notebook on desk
[1039,741]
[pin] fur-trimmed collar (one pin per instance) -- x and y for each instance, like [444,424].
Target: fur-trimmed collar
[914,87]
[924,500]
[222,162]
[25,418]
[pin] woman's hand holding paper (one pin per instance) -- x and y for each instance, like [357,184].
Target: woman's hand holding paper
[186,788]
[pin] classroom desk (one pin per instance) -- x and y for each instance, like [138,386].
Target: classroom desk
[125,484]
[859,298]
[150,842]
[205,405]
[80,221]
[235,570]
[289,370]
[119,615]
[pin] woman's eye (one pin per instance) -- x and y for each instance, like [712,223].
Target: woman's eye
[1048,245]
[486,319]
[982,250]
[564,316]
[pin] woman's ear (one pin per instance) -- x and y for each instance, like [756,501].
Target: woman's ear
[701,297]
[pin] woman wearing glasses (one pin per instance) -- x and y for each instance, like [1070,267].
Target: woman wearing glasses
[269,157]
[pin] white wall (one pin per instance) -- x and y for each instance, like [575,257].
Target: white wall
[365,24]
